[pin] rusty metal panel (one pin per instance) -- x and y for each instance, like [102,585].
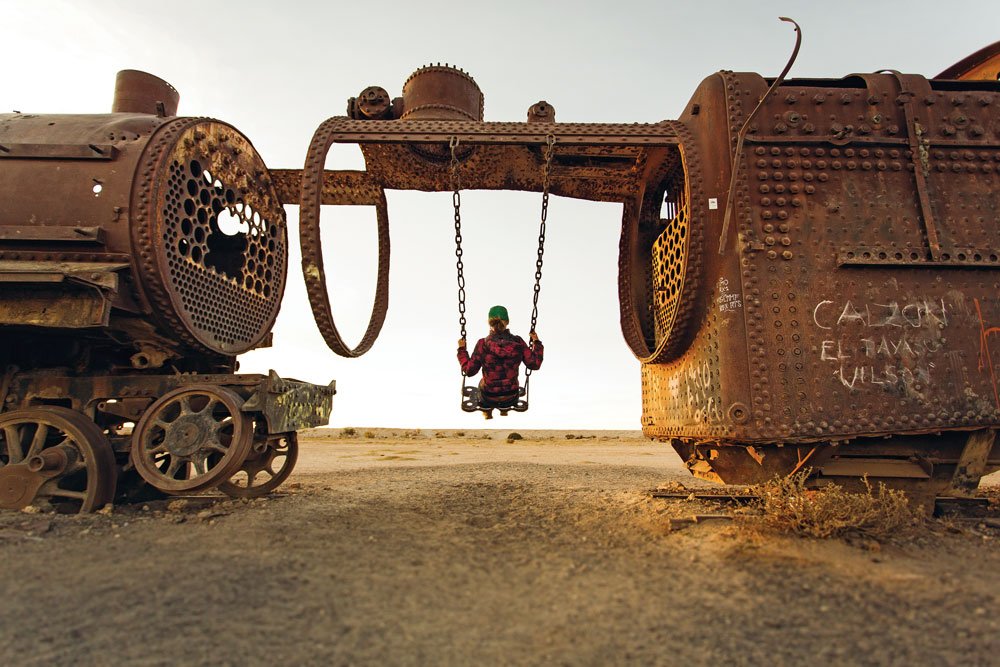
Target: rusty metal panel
[11,150]
[826,287]
[97,274]
[290,405]
[53,307]
[51,233]
[345,188]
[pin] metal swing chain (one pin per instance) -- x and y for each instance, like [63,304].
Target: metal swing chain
[550,142]
[456,199]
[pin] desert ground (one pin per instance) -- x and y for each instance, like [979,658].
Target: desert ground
[461,548]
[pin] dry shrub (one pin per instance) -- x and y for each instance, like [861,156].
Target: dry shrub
[348,432]
[370,434]
[786,506]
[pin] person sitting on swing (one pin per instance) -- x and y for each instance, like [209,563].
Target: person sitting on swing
[500,355]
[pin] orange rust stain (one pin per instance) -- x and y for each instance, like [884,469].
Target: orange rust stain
[985,360]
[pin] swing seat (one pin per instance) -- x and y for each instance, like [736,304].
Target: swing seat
[474,401]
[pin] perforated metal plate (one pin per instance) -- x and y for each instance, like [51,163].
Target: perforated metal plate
[669,255]
[217,246]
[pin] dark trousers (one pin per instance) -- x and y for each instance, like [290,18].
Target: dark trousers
[489,399]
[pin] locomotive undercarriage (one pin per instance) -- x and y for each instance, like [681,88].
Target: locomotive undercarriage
[78,442]
[948,464]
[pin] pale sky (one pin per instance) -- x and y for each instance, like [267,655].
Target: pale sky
[276,70]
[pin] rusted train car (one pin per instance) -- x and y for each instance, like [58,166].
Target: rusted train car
[140,252]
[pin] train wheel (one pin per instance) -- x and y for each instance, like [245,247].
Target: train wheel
[268,466]
[57,456]
[191,439]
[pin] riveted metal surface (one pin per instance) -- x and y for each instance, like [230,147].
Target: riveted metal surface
[831,289]
[311,193]
[356,188]
[836,224]
[437,92]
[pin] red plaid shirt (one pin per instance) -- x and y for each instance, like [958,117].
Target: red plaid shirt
[500,355]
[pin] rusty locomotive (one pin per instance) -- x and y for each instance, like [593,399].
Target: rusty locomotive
[809,268]
[808,274]
[140,252]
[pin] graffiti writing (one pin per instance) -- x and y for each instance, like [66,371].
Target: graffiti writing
[727,301]
[884,376]
[875,348]
[914,314]
[882,345]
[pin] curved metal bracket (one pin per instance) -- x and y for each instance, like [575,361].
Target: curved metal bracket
[310,201]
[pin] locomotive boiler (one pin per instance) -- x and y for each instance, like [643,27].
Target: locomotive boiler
[140,252]
[809,268]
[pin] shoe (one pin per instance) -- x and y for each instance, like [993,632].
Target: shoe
[503,413]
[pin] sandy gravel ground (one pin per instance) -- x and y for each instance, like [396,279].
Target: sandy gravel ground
[421,549]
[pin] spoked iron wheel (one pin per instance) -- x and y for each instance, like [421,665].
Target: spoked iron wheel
[191,439]
[270,463]
[56,456]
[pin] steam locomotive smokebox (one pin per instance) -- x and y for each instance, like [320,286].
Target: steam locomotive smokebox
[438,92]
[140,218]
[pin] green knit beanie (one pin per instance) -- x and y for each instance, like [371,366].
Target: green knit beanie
[499,311]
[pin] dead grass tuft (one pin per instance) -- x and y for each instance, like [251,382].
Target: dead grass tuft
[787,507]
[348,432]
